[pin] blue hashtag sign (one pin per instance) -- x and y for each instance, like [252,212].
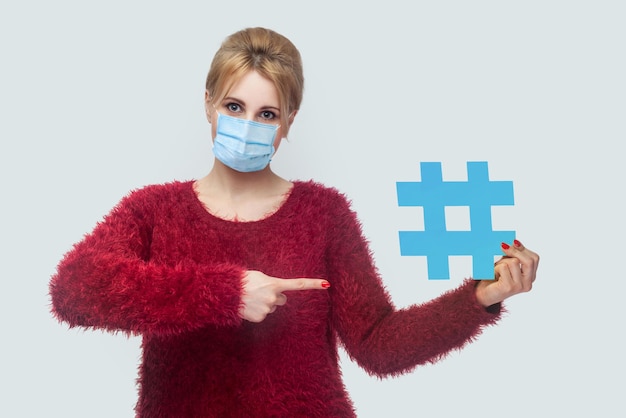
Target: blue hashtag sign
[436,242]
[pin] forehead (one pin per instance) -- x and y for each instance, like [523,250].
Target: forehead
[254,88]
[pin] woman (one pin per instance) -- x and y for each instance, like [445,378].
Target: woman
[242,284]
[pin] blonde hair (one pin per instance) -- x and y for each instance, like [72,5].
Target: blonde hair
[270,54]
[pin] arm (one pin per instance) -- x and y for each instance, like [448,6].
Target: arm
[108,281]
[382,339]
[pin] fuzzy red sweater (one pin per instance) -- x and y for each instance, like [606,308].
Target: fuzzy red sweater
[162,266]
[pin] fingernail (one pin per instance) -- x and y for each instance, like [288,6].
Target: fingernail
[517,243]
[325,284]
[505,246]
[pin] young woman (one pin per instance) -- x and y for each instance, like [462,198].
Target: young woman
[242,284]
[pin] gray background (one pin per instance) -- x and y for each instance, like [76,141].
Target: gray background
[99,98]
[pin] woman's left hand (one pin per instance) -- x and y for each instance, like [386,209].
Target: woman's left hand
[514,274]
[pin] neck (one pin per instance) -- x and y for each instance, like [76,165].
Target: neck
[228,182]
[232,195]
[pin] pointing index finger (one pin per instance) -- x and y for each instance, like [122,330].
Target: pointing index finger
[302,284]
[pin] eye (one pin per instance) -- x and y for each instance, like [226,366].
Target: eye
[233,107]
[267,115]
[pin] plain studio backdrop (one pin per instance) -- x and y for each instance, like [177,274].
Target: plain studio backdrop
[99,98]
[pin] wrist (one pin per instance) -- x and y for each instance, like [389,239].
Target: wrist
[483,296]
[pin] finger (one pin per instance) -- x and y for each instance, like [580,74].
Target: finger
[528,260]
[302,284]
[515,246]
[513,275]
[520,251]
[514,269]
[516,251]
[510,277]
[497,267]
[503,272]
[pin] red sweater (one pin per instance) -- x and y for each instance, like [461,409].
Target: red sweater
[161,266]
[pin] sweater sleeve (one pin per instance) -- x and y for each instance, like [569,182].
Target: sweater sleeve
[108,281]
[380,338]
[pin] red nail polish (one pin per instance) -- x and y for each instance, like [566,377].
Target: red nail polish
[505,246]
[517,243]
[325,284]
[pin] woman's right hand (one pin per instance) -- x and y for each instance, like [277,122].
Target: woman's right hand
[262,294]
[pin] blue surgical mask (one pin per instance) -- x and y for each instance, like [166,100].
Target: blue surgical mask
[242,144]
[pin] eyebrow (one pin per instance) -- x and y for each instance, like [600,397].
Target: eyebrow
[244,103]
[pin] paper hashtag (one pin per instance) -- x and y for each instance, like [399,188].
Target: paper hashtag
[436,242]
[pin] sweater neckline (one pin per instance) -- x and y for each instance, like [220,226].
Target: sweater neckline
[203,212]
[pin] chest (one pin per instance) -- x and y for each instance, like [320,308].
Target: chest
[291,246]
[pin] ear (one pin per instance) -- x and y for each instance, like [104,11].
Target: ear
[290,120]
[207,105]
[292,116]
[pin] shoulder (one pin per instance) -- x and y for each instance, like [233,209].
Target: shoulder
[160,190]
[321,193]
[332,210]
[328,200]
[154,195]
